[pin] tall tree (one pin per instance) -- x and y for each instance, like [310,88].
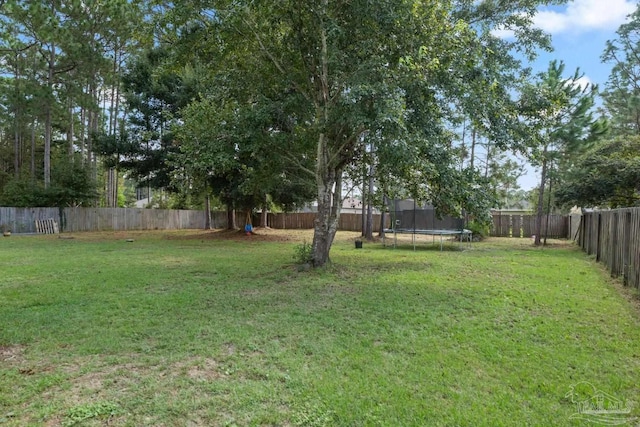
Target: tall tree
[560,112]
[154,95]
[622,93]
[59,53]
[607,175]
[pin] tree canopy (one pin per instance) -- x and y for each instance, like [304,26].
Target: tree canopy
[395,75]
[260,102]
[606,175]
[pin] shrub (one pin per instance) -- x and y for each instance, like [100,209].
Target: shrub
[303,253]
[479,230]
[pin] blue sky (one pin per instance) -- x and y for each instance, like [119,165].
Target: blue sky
[579,30]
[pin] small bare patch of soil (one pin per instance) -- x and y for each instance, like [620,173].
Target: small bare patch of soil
[258,235]
[206,370]
[13,354]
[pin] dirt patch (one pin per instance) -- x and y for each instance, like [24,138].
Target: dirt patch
[205,370]
[13,354]
[230,349]
[525,242]
[88,385]
[259,235]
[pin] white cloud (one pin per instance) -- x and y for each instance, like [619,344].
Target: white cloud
[502,33]
[583,82]
[585,15]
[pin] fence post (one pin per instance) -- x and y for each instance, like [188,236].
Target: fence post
[599,236]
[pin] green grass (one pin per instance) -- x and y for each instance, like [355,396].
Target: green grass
[185,329]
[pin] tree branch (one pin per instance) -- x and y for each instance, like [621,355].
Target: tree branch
[274,60]
[299,165]
[21,49]
[334,157]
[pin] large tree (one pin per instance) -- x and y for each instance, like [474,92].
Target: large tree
[240,159]
[608,174]
[153,95]
[397,71]
[560,112]
[622,92]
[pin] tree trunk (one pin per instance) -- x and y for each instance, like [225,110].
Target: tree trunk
[16,123]
[89,131]
[94,129]
[47,147]
[541,197]
[16,148]
[369,235]
[82,133]
[112,100]
[487,160]
[382,213]
[117,95]
[48,109]
[263,217]
[363,211]
[33,150]
[473,148]
[328,170]
[48,118]
[207,213]
[329,184]
[548,208]
[231,219]
[70,131]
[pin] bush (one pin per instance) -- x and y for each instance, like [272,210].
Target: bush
[479,230]
[71,185]
[303,253]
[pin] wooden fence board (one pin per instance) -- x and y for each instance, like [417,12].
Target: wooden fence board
[614,238]
[23,220]
[123,219]
[553,226]
[528,225]
[305,221]
[516,226]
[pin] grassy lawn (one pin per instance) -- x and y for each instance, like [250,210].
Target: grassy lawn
[198,329]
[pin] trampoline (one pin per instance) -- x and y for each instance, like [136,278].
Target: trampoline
[407,217]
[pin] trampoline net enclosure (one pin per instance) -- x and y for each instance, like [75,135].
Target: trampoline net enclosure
[408,216]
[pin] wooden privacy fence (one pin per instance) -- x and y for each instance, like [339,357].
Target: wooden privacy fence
[559,226]
[614,238]
[101,219]
[23,220]
[304,220]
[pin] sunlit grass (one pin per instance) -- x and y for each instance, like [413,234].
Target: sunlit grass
[194,328]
